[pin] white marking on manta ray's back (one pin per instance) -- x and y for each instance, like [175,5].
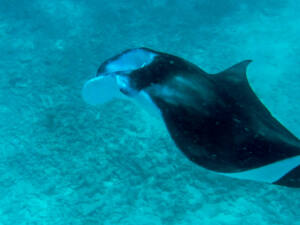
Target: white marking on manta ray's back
[269,173]
[167,93]
[173,91]
[181,91]
[131,60]
[184,81]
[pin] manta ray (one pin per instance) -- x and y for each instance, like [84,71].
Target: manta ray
[216,120]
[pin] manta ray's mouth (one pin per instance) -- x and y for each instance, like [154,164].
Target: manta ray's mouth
[101,89]
[107,86]
[113,77]
[120,76]
[114,73]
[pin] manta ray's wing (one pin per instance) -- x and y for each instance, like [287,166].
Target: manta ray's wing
[219,123]
[233,84]
[286,169]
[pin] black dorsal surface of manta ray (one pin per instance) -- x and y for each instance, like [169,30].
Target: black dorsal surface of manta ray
[216,120]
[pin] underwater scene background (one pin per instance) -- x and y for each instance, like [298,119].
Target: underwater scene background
[65,162]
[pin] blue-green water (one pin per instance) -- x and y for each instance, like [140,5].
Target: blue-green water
[64,162]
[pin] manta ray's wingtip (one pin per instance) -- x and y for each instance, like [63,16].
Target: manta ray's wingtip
[235,74]
[246,62]
[240,67]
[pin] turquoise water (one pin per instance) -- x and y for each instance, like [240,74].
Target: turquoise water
[65,162]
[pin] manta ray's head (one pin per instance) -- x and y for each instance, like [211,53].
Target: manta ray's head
[123,74]
[134,70]
[127,61]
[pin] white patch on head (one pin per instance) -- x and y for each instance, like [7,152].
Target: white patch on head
[269,173]
[130,60]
